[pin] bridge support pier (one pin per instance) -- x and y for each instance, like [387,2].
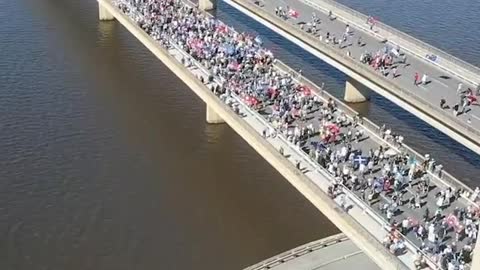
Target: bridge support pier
[213,117]
[103,13]
[355,92]
[207,5]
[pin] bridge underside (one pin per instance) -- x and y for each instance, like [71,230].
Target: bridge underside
[213,117]
[104,14]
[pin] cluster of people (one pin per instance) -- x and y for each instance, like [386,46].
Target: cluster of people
[316,126]
[466,98]
[385,60]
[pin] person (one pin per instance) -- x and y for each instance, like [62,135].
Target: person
[459,88]
[394,72]
[426,215]
[424,79]
[416,78]
[475,194]
[442,103]
[455,109]
[419,260]
[404,60]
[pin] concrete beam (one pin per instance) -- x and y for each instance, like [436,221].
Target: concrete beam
[213,117]
[104,14]
[355,92]
[207,5]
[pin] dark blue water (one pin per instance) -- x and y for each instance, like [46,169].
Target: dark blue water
[452,26]
[460,161]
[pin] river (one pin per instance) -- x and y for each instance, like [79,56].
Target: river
[107,163]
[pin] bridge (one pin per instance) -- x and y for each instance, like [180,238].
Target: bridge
[341,185]
[334,253]
[444,71]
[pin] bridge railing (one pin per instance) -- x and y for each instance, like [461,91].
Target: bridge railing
[298,251]
[468,132]
[420,48]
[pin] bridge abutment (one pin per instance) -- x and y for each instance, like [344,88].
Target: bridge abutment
[213,117]
[355,92]
[207,5]
[104,14]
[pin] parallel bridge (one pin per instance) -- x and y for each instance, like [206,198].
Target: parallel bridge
[444,73]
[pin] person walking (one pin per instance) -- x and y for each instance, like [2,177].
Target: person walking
[442,103]
[455,109]
[404,60]
[459,88]
[416,78]
[424,79]
[394,72]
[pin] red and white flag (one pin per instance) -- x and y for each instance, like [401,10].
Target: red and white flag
[293,13]
[452,220]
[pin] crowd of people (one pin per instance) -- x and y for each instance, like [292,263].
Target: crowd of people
[393,182]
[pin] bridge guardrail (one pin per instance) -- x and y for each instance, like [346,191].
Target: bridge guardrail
[451,63]
[298,251]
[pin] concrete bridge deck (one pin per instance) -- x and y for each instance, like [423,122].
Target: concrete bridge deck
[362,222]
[444,74]
[331,253]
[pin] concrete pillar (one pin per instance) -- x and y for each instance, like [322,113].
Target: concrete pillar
[355,92]
[213,117]
[207,5]
[103,13]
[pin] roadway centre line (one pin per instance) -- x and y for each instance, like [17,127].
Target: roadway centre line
[423,87]
[440,82]
[476,117]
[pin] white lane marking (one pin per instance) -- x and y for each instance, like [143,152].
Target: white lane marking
[476,117]
[440,82]
[423,87]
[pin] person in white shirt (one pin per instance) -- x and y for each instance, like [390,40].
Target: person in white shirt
[424,79]
[459,88]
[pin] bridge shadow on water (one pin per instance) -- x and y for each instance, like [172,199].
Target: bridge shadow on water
[457,159]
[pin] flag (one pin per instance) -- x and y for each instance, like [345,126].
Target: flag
[306,91]
[452,220]
[359,159]
[293,13]
[258,40]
